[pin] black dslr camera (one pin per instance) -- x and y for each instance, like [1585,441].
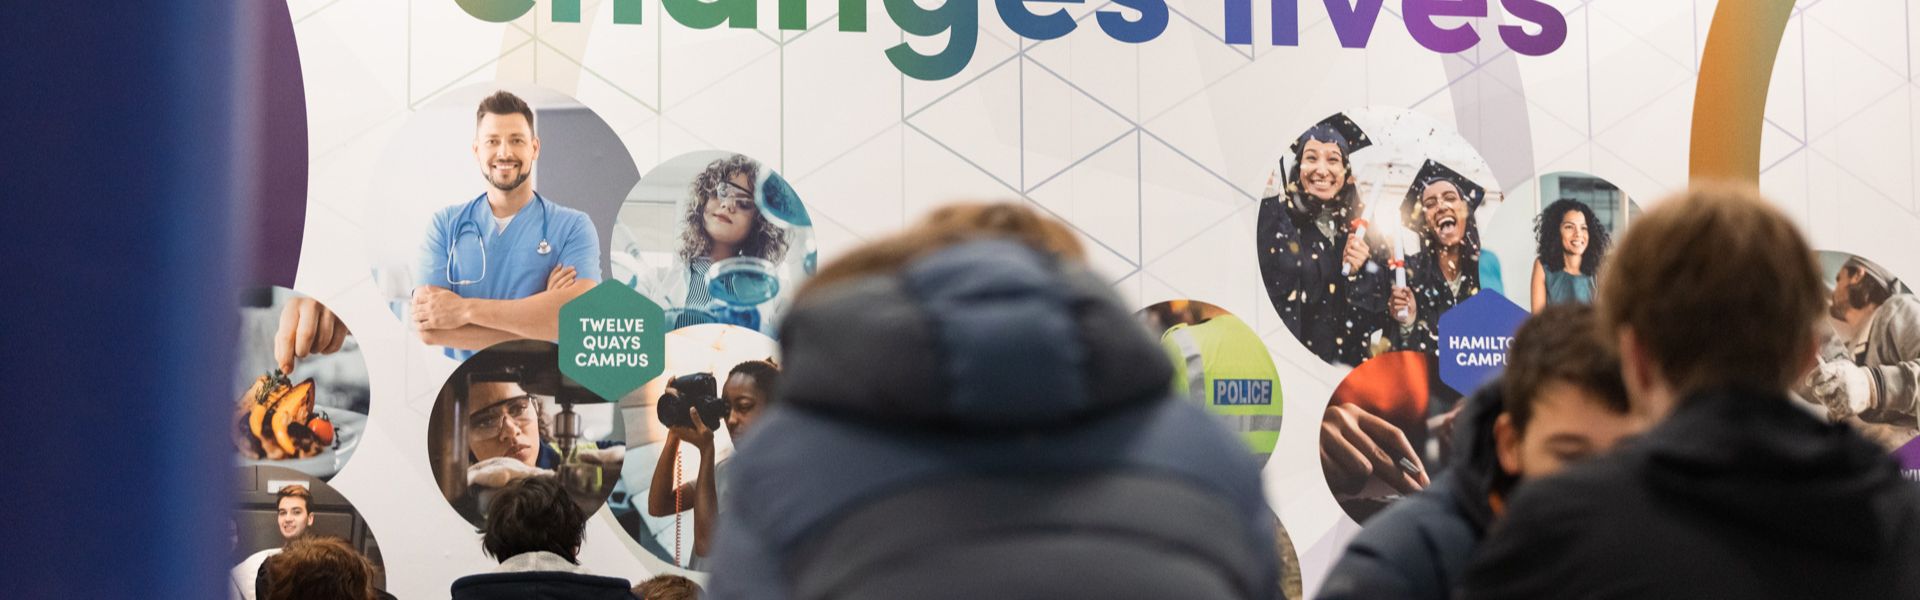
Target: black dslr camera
[698,391]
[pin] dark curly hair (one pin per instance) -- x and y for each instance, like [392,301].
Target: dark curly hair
[531,515]
[1546,231]
[766,240]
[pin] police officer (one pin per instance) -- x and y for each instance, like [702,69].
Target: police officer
[1221,362]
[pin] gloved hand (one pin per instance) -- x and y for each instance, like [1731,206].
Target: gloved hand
[499,471]
[780,202]
[611,455]
[1842,387]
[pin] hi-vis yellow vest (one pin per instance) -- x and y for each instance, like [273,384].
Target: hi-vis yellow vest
[1222,364]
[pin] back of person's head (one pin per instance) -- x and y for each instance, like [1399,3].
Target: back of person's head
[946,227]
[667,587]
[1717,289]
[533,514]
[968,396]
[999,293]
[318,568]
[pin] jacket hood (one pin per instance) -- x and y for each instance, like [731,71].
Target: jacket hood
[987,335]
[1475,464]
[1753,459]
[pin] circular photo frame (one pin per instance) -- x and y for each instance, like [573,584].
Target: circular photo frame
[1290,580]
[303,394]
[1220,362]
[1567,224]
[508,413]
[719,380]
[493,192]
[715,238]
[1370,228]
[277,505]
[1859,379]
[1384,434]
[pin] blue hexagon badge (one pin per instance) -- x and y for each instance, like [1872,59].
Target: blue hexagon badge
[1474,336]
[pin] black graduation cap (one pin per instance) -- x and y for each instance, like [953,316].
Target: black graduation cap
[1338,129]
[1431,172]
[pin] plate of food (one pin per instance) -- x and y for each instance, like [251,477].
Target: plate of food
[278,423]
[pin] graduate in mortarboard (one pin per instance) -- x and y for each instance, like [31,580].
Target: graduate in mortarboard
[1450,265]
[1315,251]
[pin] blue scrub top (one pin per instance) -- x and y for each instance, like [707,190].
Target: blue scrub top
[515,269]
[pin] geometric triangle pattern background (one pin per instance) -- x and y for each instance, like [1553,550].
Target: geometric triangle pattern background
[1154,153]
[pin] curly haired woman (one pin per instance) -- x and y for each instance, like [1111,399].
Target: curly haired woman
[721,221]
[1572,242]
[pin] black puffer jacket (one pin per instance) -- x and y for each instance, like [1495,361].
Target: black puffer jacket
[1738,494]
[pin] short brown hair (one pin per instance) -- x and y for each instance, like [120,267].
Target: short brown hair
[948,226]
[667,587]
[503,103]
[320,568]
[532,515]
[1719,288]
[1561,342]
[294,491]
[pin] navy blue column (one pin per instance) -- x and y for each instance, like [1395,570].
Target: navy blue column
[116,195]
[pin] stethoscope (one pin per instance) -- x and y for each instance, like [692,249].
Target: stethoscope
[467,222]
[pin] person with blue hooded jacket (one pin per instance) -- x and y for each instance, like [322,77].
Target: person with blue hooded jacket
[967,411]
[1560,401]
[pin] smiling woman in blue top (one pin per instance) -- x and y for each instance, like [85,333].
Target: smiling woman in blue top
[498,267]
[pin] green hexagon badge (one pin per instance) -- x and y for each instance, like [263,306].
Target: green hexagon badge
[612,340]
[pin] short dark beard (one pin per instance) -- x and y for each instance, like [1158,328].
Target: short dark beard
[517,182]
[1838,310]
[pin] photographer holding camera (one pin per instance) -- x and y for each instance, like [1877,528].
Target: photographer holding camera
[692,411]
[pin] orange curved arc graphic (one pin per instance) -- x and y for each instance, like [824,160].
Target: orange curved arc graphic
[1730,102]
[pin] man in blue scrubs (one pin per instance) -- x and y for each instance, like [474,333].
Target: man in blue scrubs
[498,267]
